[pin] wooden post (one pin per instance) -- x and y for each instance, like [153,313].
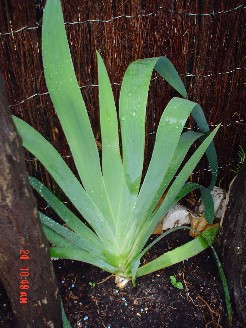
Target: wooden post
[231,245]
[25,267]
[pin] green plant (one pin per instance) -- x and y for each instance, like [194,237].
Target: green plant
[241,159]
[175,283]
[92,284]
[224,285]
[118,204]
[65,322]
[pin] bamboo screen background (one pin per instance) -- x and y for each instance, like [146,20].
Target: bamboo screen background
[203,39]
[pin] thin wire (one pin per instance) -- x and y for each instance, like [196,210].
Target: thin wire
[21,29]
[115,83]
[219,73]
[154,14]
[143,14]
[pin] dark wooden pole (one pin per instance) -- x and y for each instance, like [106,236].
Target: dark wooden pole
[231,245]
[25,267]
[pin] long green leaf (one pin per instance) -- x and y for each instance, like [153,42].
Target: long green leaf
[58,240]
[70,235]
[171,196]
[211,154]
[111,158]
[71,220]
[69,105]
[136,261]
[185,142]
[133,101]
[132,112]
[55,165]
[171,123]
[66,323]
[166,69]
[183,176]
[181,253]
[74,254]
[225,286]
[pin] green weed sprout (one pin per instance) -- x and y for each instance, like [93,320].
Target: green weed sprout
[118,203]
[241,159]
[175,283]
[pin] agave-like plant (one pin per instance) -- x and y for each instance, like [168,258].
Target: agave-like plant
[118,203]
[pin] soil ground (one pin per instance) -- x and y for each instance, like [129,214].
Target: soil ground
[91,298]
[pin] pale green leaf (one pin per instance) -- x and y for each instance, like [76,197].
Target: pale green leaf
[69,105]
[133,101]
[80,255]
[154,184]
[55,165]
[171,197]
[69,235]
[58,240]
[111,158]
[71,220]
[179,285]
[181,253]
[173,280]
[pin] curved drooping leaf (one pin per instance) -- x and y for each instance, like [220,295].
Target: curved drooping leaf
[181,253]
[166,69]
[132,111]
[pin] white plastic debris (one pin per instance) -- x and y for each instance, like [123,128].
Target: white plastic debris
[178,215]
[219,197]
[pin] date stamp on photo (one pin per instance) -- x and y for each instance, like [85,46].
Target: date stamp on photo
[24,274]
